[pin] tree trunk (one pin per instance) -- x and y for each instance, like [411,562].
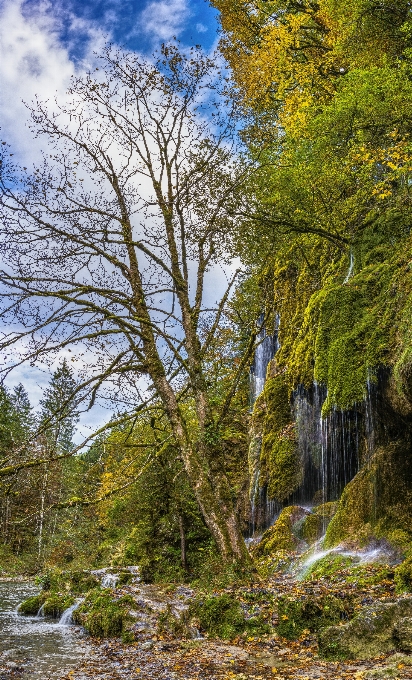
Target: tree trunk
[214,498]
[182,543]
[208,481]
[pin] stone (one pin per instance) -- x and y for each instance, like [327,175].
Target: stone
[369,634]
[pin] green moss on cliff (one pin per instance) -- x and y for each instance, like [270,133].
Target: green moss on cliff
[314,525]
[339,330]
[280,461]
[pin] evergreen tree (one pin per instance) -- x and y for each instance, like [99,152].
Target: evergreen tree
[58,417]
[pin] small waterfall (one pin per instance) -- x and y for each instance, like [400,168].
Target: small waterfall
[351,265]
[66,618]
[266,348]
[110,580]
[40,613]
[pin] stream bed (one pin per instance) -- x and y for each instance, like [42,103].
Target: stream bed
[35,647]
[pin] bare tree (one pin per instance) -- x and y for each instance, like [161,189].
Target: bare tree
[108,245]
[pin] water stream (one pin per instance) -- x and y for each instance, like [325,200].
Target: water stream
[43,648]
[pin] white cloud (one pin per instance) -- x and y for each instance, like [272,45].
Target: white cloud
[31,62]
[163,19]
[201,28]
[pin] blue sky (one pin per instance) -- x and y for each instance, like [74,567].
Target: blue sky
[136,24]
[43,42]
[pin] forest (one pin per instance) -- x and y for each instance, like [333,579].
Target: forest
[217,249]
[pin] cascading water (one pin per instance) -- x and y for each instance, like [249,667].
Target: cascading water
[39,646]
[266,348]
[66,618]
[328,446]
[263,510]
[110,580]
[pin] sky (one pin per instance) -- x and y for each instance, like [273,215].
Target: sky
[42,43]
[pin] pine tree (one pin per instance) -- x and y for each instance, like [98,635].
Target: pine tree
[58,417]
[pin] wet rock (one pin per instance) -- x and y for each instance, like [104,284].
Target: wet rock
[370,633]
[403,634]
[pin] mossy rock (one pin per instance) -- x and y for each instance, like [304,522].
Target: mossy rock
[403,576]
[104,617]
[32,605]
[222,616]
[125,577]
[339,568]
[310,613]
[280,460]
[314,525]
[369,634]
[282,535]
[377,503]
[56,604]
[328,566]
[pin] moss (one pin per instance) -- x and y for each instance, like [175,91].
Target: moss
[31,606]
[278,561]
[222,616]
[75,582]
[56,603]
[102,616]
[403,576]
[125,578]
[342,569]
[310,613]
[328,566]
[280,461]
[314,525]
[281,536]
[369,634]
[378,501]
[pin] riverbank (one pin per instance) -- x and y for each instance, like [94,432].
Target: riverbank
[158,653]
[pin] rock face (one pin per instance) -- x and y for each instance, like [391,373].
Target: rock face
[377,629]
[378,501]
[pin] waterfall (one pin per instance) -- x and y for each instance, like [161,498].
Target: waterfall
[110,580]
[66,618]
[40,613]
[351,265]
[328,446]
[266,348]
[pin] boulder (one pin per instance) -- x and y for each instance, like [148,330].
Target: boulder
[283,535]
[372,632]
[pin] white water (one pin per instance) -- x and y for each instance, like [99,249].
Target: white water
[43,648]
[66,618]
[266,348]
[110,580]
[366,556]
[351,265]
